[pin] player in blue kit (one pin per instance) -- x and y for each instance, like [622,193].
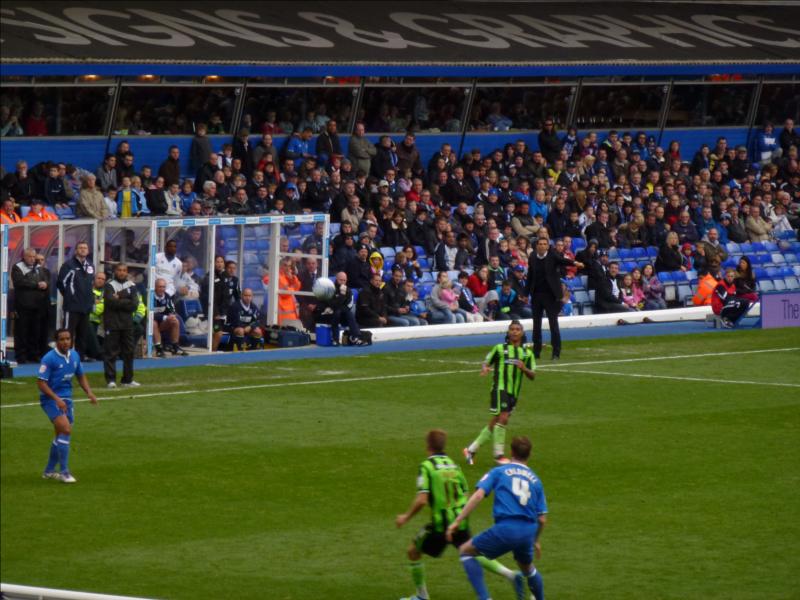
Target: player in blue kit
[519,513]
[55,387]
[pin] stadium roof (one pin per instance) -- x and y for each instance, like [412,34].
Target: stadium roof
[387,38]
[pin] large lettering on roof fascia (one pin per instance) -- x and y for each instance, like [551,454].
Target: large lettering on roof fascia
[83,16]
[499,28]
[710,22]
[381,39]
[215,25]
[63,24]
[294,37]
[608,33]
[666,31]
[56,35]
[557,35]
[411,21]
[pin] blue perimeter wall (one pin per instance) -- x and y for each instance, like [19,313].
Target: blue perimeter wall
[152,150]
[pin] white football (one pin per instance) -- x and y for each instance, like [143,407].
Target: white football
[323,289]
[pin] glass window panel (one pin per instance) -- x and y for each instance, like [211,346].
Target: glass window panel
[283,110]
[165,110]
[45,111]
[619,106]
[709,105]
[779,101]
[519,108]
[542,80]
[392,110]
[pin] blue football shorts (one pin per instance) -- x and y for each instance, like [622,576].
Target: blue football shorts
[510,535]
[52,411]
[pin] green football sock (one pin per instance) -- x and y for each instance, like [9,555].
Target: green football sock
[418,576]
[496,567]
[499,440]
[484,436]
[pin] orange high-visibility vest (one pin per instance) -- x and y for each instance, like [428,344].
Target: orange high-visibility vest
[287,304]
[6,219]
[41,217]
[705,289]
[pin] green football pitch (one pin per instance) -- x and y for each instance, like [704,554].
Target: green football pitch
[671,467]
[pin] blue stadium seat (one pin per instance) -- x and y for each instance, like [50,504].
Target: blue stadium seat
[792,283]
[425,290]
[295,243]
[680,276]
[187,308]
[625,253]
[262,245]
[791,259]
[665,277]
[254,283]
[765,285]
[759,248]
[796,269]
[730,263]
[628,266]
[760,259]
[786,271]
[638,253]
[771,247]
[760,272]
[778,258]
[64,213]
[773,272]
[578,244]
[250,245]
[575,283]
[334,228]
[423,263]
[419,250]
[780,285]
[652,251]
[732,248]
[306,229]
[684,293]
[691,275]
[582,298]
[786,235]
[427,277]
[613,253]
[746,248]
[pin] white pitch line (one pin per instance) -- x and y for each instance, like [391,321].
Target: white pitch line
[678,378]
[605,362]
[256,387]
[650,358]
[462,371]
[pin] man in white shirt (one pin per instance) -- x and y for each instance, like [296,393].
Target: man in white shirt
[168,266]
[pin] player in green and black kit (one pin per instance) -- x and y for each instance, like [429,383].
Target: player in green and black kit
[441,485]
[511,362]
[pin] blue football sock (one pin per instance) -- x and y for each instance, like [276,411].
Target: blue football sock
[53,460]
[475,576]
[536,584]
[63,451]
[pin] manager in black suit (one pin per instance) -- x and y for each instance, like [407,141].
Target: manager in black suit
[544,289]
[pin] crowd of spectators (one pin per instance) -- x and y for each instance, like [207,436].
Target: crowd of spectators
[459,228]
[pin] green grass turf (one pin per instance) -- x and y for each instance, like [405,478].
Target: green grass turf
[657,488]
